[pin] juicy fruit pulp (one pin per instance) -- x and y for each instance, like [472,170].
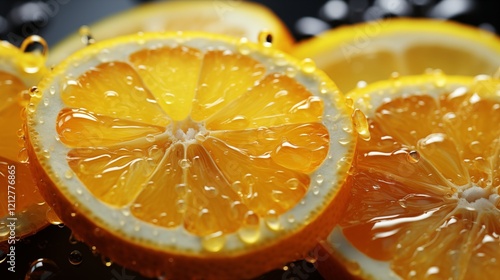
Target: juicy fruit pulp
[206,140]
[19,197]
[425,188]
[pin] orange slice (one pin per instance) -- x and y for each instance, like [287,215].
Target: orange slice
[235,18]
[371,51]
[425,200]
[22,209]
[207,156]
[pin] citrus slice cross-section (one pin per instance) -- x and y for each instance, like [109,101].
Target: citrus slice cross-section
[205,155]
[22,209]
[425,200]
[371,51]
[235,18]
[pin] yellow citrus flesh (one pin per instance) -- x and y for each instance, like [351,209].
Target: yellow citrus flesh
[200,150]
[20,203]
[235,18]
[425,200]
[372,51]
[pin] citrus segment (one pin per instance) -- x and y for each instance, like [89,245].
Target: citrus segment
[235,18]
[277,99]
[78,127]
[162,71]
[425,199]
[118,85]
[22,209]
[220,155]
[372,51]
[240,73]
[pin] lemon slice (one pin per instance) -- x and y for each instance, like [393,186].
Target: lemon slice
[207,156]
[425,200]
[372,51]
[22,209]
[235,18]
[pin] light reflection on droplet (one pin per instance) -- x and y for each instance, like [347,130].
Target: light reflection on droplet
[75,257]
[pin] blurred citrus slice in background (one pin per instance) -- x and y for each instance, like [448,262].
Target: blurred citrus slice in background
[371,51]
[22,209]
[235,18]
[205,155]
[425,200]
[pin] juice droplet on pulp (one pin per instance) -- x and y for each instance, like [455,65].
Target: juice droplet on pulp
[361,124]
[214,242]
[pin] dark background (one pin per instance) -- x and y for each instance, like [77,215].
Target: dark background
[55,19]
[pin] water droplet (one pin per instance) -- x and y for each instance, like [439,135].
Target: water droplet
[181,205]
[344,141]
[307,65]
[280,60]
[319,179]
[214,242]
[184,163]
[349,102]
[37,48]
[68,174]
[272,220]
[395,78]
[42,269]
[200,137]
[86,36]
[250,230]
[249,179]
[75,257]
[402,202]
[210,191]
[236,185]
[324,88]
[293,183]
[168,98]
[311,257]
[265,38]
[361,124]
[3,256]
[475,146]
[315,190]
[244,46]
[291,219]
[181,189]
[413,156]
[52,217]
[150,138]
[106,261]
[23,155]
[291,72]
[35,92]
[94,250]
[439,78]
[72,239]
